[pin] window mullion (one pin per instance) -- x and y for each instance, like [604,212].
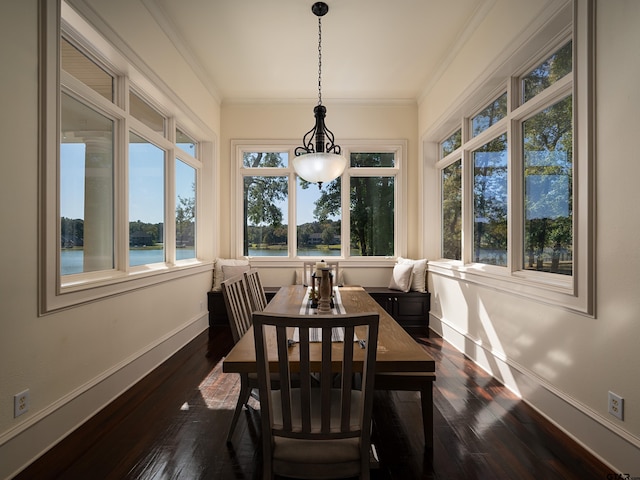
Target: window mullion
[170,233]
[514,196]
[121,188]
[467,207]
[170,206]
[552,94]
[345,226]
[292,214]
[514,182]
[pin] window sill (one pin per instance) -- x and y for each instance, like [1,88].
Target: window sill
[550,289]
[359,262]
[80,289]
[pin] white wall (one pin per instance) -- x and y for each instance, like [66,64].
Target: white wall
[348,121]
[563,363]
[74,361]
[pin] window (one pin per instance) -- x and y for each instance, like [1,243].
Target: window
[548,207]
[186,181]
[86,188]
[547,73]
[144,112]
[508,184]
[490,202]
[146,202]
[450,144]
[117,214]
[451,188]
[186,143]
[285,216]
[265,204]
[490,115]
[319,219]
[545,162]
[85,70]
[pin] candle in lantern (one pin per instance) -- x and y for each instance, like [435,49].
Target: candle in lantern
[319,266]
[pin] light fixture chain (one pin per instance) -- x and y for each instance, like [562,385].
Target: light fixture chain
[319,159]
[319,60]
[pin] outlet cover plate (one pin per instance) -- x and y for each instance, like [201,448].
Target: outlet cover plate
[20,403]
[616,405]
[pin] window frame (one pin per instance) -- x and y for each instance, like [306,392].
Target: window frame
[576,292]
[398,147]
[56,292]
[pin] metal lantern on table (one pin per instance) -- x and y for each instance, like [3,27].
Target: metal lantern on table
[322,288]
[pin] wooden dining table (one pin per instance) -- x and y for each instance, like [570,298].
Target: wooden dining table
[401,363]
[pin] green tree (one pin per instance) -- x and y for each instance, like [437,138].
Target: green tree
[548,172]
[554,68]
[490,201]
[371,206]
[452,211]
[260,193]
[185,220]
[142,233]
[71,232]
[372,215]
[328,234]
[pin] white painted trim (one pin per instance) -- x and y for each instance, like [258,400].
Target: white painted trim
[57,292]
[97,30]
[397,146]
[555,291]
[600,436]
[40,432]
[574,293]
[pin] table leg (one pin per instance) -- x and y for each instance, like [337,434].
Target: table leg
[421,382]
[426,399]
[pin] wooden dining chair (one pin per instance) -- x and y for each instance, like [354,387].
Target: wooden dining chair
[324,431]
[236,299]
[308,268]
[257,297]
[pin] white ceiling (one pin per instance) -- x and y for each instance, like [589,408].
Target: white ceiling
[267,49]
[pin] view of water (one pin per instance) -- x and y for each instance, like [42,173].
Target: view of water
[71,260]
[302,252]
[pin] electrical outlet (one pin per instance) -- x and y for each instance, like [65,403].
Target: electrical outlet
[20,403]
[616,405]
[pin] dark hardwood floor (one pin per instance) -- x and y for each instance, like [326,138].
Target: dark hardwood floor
[173,425]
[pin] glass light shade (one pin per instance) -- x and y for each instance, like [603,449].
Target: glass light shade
[319,167]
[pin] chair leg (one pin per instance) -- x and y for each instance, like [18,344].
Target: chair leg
[243,398]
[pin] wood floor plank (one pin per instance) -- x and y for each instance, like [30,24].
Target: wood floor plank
[173,425]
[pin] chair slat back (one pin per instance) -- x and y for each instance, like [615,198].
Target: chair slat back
[257,297]
[301,415]
[236,300]
[308,269]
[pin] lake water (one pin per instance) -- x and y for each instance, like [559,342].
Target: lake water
[71,260]
[302,252]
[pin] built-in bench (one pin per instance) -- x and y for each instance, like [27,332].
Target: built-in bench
[410,309]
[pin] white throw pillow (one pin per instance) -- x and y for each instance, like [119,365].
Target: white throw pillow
[419,281]
[401,277]
[218,274]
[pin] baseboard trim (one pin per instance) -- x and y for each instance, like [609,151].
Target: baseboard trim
[21,445]
[604,439]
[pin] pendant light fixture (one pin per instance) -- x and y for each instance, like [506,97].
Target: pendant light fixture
[319,159]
